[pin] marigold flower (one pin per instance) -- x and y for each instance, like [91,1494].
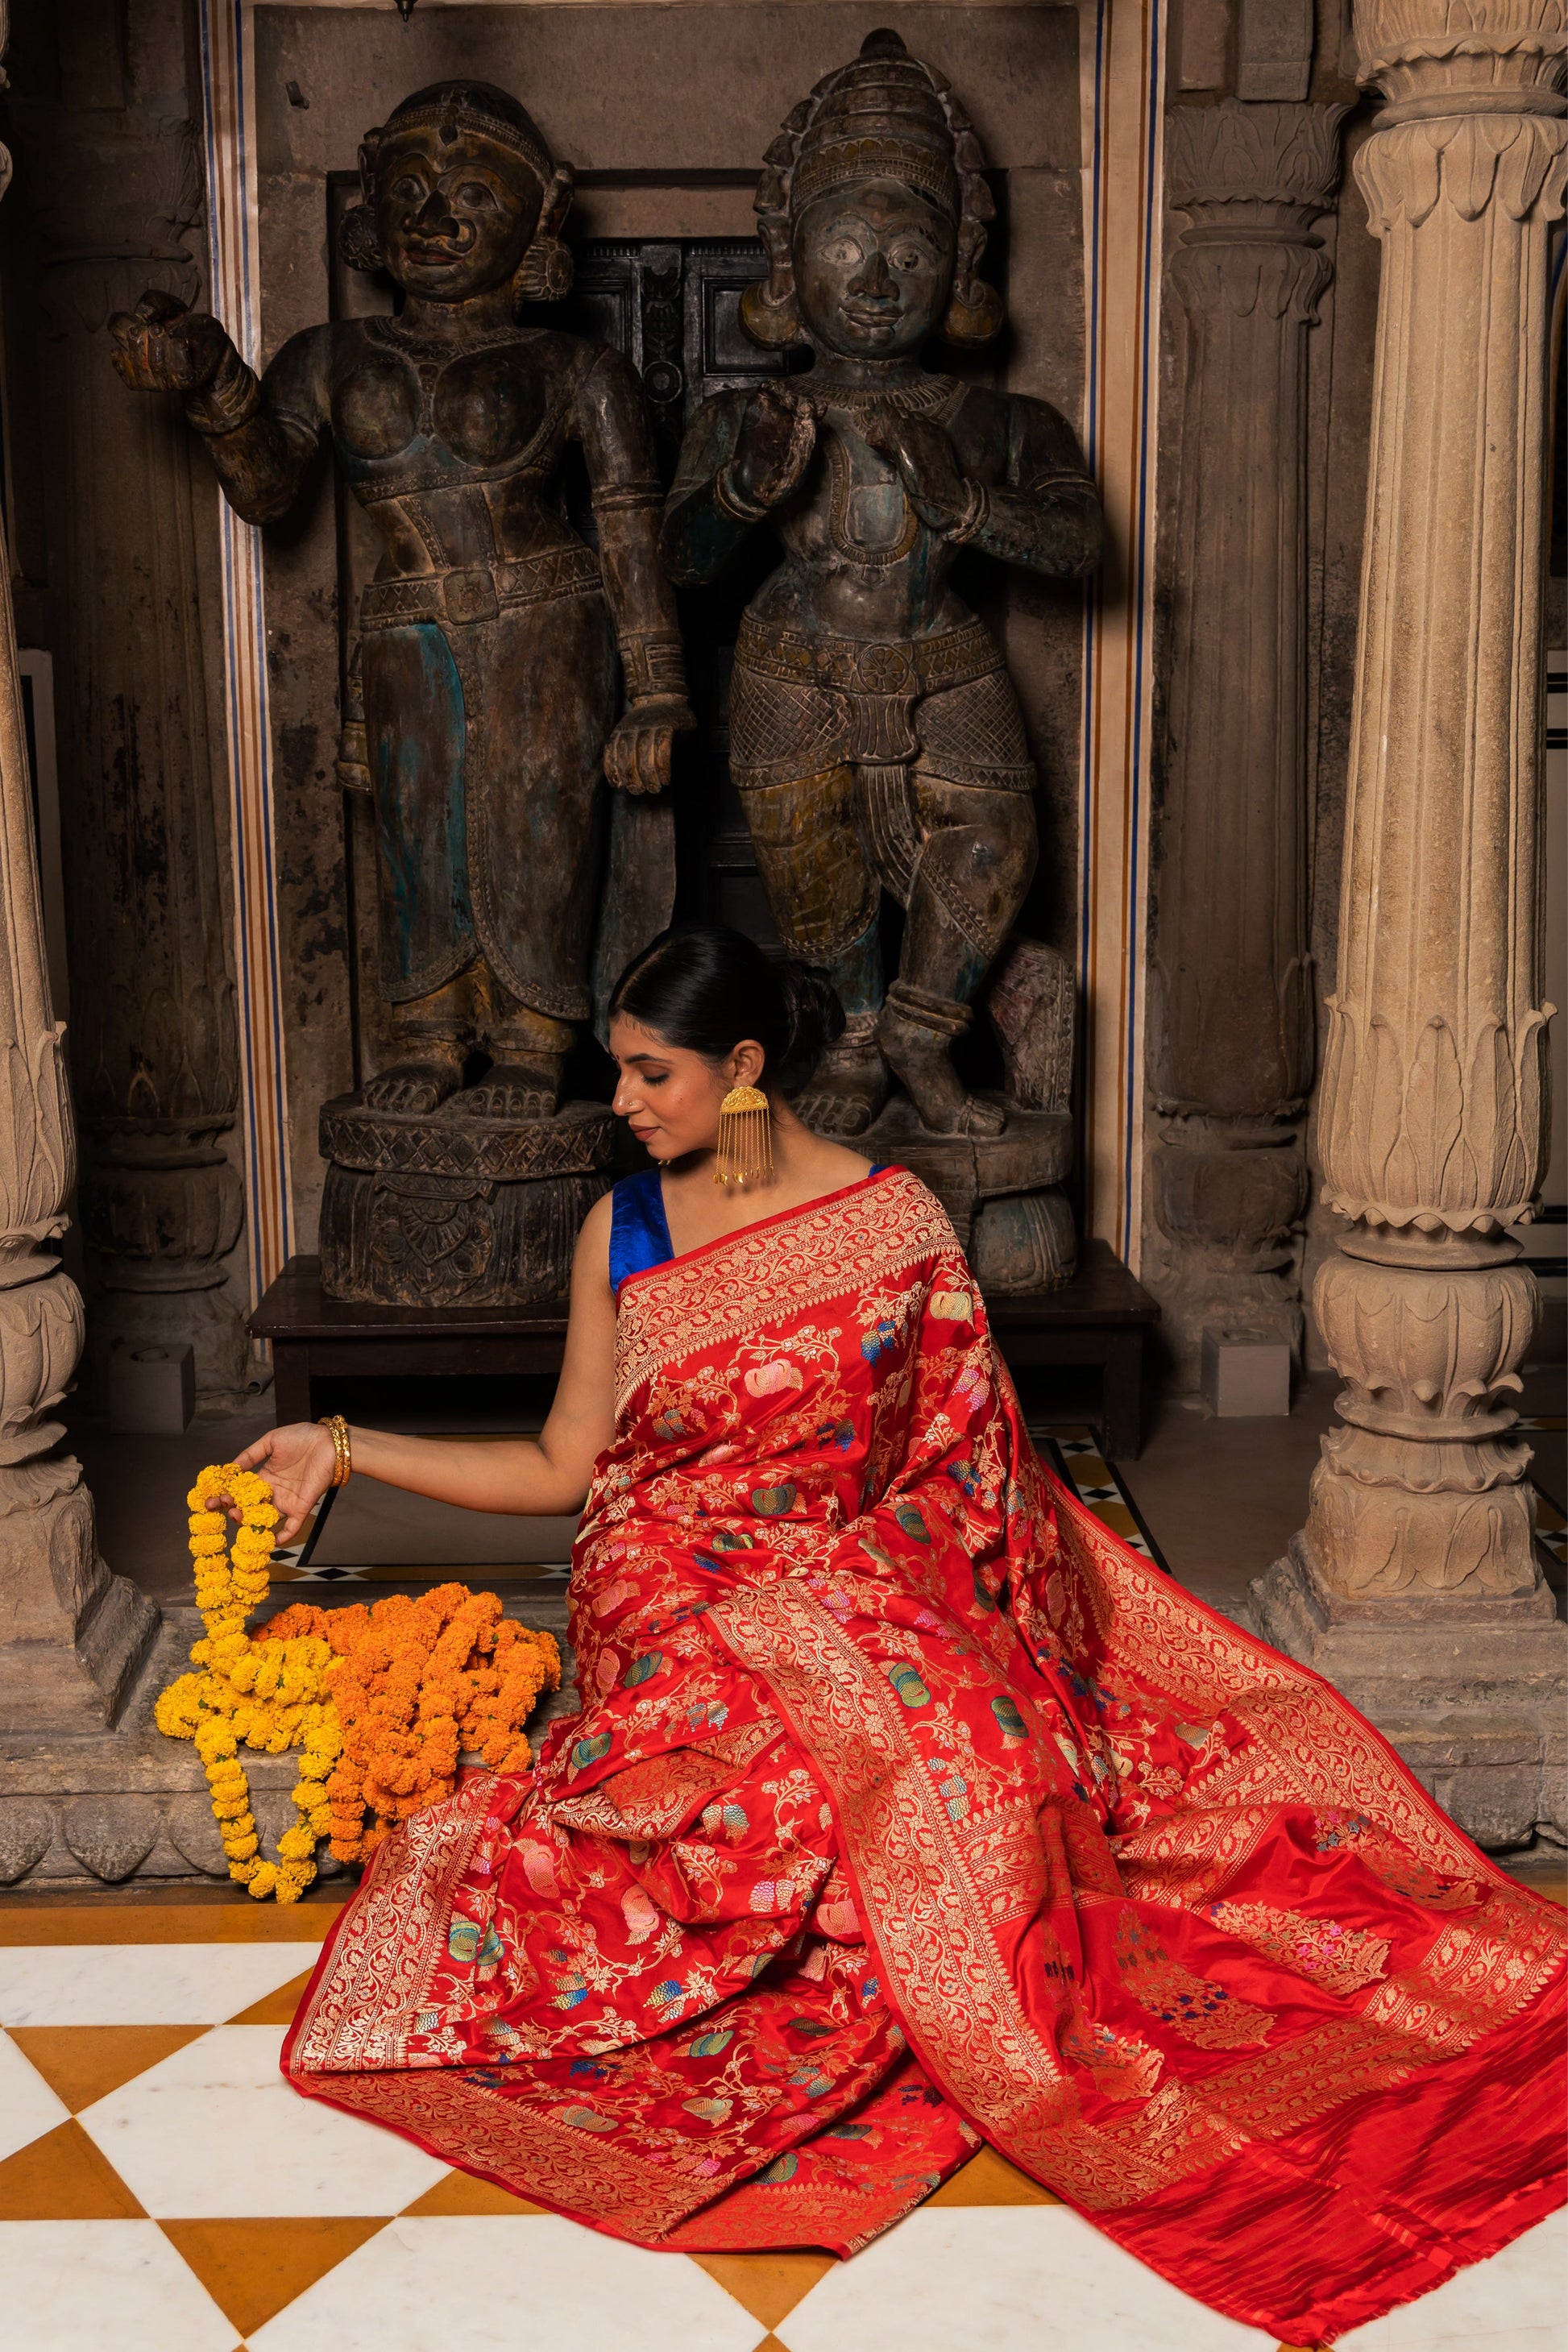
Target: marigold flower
[380,1699]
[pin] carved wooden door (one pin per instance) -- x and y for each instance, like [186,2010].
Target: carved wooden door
[673,307]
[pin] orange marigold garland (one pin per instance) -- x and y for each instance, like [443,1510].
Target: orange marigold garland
[418,1682]
[382,1701]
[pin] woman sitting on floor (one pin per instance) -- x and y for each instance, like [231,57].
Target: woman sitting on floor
[906,1807]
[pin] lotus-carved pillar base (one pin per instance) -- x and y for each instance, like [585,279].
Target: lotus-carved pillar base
[1468,1689]
[75,1633]
[1414,1585]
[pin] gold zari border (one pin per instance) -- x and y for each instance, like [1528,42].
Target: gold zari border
[954,1990]
[874,1233]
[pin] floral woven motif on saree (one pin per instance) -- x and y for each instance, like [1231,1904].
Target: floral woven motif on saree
[906,1808]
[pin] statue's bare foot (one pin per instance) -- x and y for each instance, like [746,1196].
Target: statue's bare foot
[845,1092]
[919,1057]
[417,1086]
[519,1091]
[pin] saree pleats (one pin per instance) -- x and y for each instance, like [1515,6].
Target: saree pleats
[907,1808]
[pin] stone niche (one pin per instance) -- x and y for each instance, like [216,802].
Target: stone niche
[666,114]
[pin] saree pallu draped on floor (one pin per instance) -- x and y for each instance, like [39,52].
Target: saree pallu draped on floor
[907,1808]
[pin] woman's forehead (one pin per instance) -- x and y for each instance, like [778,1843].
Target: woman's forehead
[630,1040]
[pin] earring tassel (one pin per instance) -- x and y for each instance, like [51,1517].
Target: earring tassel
[745,1148]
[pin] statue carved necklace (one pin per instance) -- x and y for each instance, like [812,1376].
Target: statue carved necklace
[385,330]
[932,395]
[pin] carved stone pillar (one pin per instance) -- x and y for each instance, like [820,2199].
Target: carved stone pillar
[1231,1039]
[154,1029]
[70,1633]
[1415,1583]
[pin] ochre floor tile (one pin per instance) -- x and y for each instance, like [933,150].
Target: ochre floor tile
[226,1917]
[62,2177]
[252,2269]
[461,2193]
[989,2179]
[275,2008]
[83,2063]
[767,2285]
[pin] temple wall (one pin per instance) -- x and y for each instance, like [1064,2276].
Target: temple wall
[665,112]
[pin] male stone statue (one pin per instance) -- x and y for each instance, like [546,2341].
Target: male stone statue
[874,735]
[488,643]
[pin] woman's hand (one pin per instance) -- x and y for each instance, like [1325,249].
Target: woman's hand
[298,1461]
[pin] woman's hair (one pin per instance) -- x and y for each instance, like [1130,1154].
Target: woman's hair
[705,988]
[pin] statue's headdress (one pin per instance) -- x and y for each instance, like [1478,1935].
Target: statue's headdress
[483,111]
[884,117]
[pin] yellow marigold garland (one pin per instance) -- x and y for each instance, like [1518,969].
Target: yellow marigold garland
[380,1700]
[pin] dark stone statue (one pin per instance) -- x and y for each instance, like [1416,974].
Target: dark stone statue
[488,646]
[874,734]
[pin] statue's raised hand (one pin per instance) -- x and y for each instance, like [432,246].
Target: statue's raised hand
[636,756]
[926,462]
[772,450]
[162,347]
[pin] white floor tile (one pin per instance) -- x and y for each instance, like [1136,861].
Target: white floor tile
[1022,2278]
[102,2286]
[1517,2301]
[215,2131]
[142,1984]
[491,2284]
[28,2107]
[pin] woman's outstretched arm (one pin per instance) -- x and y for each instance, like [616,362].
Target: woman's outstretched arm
[546,1477]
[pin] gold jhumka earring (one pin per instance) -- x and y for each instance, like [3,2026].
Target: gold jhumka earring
[745,1137]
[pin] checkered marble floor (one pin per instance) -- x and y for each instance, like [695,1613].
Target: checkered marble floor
[162,2191]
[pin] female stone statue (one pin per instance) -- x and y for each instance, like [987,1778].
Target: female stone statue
[487,642]
[874,734]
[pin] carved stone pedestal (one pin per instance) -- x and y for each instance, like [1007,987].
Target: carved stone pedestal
[439,1210]
[1002,1191]
[1469,1691]
[1005,1193]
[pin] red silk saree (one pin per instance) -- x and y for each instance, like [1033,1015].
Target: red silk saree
[906,1808]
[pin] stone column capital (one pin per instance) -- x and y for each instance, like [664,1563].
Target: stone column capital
[1223,161]
[1452,56]
[1252,180]
[1407,166]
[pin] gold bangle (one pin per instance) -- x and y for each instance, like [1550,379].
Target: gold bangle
[343,1461]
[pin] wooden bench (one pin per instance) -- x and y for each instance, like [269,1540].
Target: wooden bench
[1104,1318]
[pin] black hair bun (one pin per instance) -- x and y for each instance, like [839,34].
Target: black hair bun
[814,1019]
[704,987]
